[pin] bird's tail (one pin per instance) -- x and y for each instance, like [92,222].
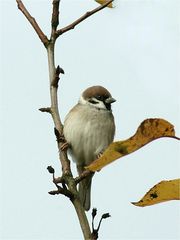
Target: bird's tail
[85,192]
[85,189]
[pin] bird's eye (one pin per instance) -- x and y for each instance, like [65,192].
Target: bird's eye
[99,97]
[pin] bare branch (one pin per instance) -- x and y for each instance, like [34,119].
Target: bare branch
[78,179]
[55,17]
[47,109]
[55,14]
[82,176]
[104,216]
[58,180]
[96,231]
[82,18]
[62,191]
[56,78]
[33,22]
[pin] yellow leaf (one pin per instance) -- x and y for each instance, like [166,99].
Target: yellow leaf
[163,191]
[149,130]
[105,1]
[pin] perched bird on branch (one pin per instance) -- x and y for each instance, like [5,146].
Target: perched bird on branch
[89,128]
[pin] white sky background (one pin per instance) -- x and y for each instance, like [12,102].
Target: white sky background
[133,51]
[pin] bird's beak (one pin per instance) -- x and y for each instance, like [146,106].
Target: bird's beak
[110,100]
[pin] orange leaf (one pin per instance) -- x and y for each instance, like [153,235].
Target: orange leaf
[161,192]
[149,130]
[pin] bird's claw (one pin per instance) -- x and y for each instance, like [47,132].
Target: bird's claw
[99,154]
[64,146]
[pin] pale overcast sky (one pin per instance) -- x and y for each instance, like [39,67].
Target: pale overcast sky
[133,50]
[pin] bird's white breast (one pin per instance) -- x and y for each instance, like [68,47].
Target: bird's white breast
[89,131]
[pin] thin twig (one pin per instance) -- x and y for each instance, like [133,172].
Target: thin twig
[82,18]
[45,109]
[55,17]
[94,213]
[55,14]
[58,180]
[95,231]
[104,216]
[83,175]
[33,22]
[62,191]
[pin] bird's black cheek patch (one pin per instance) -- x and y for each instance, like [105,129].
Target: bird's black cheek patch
[108,106]
[92,101]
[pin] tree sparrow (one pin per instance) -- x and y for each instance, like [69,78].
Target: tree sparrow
[88,129]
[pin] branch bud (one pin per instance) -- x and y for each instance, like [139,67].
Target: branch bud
[50,169]
[106,215]
[94,212]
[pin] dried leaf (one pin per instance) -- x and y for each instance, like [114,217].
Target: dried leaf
[149,130]
[161,192]
[105,1]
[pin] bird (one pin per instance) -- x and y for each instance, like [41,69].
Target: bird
[89,128]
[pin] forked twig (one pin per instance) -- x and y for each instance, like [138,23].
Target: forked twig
[33,22]
[82,18]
